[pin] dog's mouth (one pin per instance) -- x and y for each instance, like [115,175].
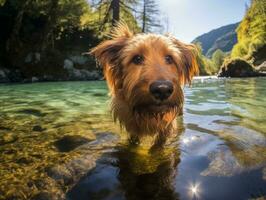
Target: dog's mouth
[156,108]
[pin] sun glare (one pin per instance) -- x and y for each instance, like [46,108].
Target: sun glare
[194,190]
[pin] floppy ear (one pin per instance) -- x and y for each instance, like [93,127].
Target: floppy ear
[189,64]
[108,54]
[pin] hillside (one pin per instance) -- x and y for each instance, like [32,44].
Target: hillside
[251,34]
[223,38]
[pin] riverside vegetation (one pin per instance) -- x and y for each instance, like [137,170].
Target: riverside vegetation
[45,40]
[58,140]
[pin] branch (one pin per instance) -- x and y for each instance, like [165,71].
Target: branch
[126,6]
[105,17]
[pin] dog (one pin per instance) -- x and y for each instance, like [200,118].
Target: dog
[145,74]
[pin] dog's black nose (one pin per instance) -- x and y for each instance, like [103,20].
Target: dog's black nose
[161,89]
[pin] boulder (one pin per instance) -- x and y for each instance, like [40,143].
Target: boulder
[238,68]
[4,76]
[261,67]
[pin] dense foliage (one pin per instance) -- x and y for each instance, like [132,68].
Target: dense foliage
[251,33]
[210,66]
[47,38]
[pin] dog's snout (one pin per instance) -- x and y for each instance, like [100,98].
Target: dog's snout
[161,89]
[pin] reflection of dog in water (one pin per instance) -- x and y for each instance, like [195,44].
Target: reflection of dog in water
[145,74]
[148,176]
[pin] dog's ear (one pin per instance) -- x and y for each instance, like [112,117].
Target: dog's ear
[189,65]
[108,53]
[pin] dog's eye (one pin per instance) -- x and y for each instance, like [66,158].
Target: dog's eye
[169,59]
[138,59]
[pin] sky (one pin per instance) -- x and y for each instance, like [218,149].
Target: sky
[188,19]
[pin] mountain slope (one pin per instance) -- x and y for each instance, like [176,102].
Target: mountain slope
[223,38]
[251,34]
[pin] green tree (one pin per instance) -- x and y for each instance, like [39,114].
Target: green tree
[107,13]
[251,32]
[217,59]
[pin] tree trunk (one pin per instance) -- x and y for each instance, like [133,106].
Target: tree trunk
[116,11]
[13,43]
[50,25]
[144,16]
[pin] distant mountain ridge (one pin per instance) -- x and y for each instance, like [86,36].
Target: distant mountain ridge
[223,38]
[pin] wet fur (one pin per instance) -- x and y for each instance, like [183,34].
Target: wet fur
[132,104]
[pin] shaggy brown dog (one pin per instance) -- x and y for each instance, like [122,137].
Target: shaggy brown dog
[145,74]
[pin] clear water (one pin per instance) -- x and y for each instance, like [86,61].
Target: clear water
[220,154]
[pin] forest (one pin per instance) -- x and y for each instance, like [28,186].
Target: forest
[45,40]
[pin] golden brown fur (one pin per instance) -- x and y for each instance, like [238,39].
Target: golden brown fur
[132,103]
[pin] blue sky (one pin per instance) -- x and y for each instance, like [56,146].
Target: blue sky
[191,18]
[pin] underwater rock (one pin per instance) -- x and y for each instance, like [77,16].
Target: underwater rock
[24,160]
[43,196]
[222,164]
[38,128]
[7,138]
[31,111]
[238,68]
[48,189]
[70,142]
[61,174]
[69,173]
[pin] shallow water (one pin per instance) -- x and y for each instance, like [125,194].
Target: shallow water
[220,154]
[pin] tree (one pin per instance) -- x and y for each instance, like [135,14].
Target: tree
[251,33]
[110,12]
[217,59]
[150,15]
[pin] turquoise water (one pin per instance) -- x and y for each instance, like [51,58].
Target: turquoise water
[220,154]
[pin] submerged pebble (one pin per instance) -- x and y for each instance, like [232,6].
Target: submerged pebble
[70,142]
[38,128]
[7,138]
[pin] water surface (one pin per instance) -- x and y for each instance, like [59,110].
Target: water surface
[220,153]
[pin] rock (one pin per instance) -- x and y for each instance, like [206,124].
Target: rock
[79,59]
[34,79]
[238,68]
[38,128]
[223,164]
[3,76]
[15,76]
[32,111]
[61,174]
[70,142]
[33,58]
[69,173]
[68,64]
[43,196]
[261,67]
[7,138]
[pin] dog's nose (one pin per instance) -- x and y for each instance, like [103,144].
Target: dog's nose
[161,89]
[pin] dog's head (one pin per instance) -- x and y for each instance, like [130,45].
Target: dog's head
[146,70]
